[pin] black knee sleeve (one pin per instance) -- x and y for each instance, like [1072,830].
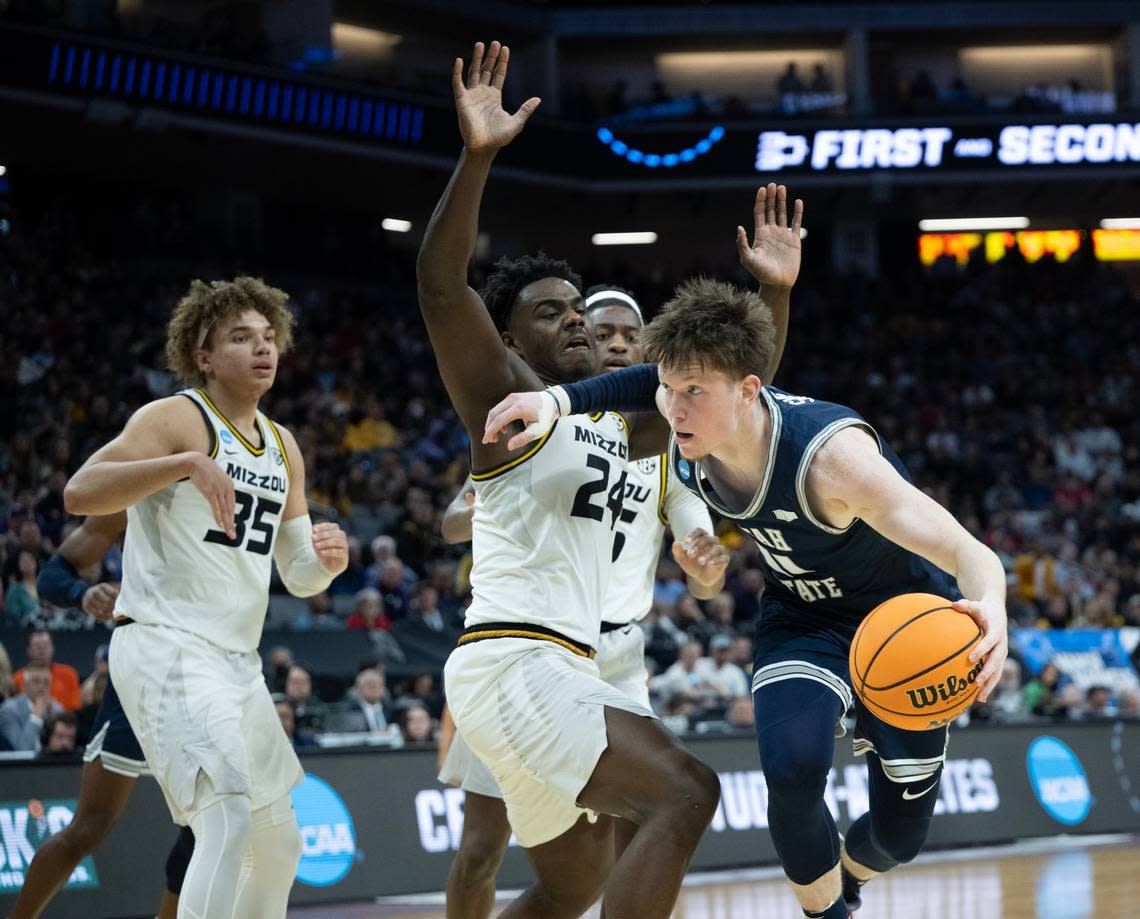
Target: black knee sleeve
[178,860]
[894,830]
[795,729]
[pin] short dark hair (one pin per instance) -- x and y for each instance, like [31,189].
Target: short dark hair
[510,275]
[714,325]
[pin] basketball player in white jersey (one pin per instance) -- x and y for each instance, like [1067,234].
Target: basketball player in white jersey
[523,687]
[651,503]
[212,488]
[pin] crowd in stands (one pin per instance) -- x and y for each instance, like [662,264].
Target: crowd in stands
[1008,390]
[918,93]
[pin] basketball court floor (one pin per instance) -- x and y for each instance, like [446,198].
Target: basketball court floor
[1089,878]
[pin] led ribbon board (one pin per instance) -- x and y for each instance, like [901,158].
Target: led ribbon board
[639,157]
[199,87]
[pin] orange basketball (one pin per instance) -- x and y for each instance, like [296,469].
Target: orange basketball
[910,662]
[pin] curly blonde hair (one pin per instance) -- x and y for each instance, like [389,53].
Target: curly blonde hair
[205,305]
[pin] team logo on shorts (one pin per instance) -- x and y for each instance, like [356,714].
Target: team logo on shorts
[328,837]
[226,436]
[1058,780]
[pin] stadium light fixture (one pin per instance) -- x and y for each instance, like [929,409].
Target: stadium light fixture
[957,224]
[624,239]
[1116,223]
[395,225]
[3,170]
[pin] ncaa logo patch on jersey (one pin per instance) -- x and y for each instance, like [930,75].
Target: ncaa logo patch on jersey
[226,436]
[684,470]
[276,454]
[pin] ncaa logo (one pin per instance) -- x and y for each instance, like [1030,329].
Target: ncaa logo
[328,838]
[226,436]
[1058,780]
[684,469]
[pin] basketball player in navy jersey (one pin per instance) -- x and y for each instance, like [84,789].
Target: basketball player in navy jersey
[522,686]
[213,491]
[112,758]
[840,528]
[653,500]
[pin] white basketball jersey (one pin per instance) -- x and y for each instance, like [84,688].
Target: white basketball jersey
[180,570]
[544,530]
[652,501]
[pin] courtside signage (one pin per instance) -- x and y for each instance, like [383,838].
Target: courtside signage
[24,827]
[328,837]
[1059,780]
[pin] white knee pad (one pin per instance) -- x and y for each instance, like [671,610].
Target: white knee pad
[276,838]
[270,863]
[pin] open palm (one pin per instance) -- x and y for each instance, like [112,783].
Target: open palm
[483,122]
[773,258]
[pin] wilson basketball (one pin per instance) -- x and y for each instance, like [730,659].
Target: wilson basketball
[910,662]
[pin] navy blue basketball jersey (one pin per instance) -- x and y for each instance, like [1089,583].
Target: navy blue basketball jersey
[815,574]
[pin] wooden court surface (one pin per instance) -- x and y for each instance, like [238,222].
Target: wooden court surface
[1043,880]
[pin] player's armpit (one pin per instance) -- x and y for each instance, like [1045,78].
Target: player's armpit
[850,479]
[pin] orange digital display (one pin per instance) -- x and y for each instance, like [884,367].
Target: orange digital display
[1032,244]
[1116,245]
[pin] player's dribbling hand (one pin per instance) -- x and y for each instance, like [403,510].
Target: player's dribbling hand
[701,556]
[536,410]
[218,490]
[994,646]
[483,122]
[773,258]
[99,601]
[331,545]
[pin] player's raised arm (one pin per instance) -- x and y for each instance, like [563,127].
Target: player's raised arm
[773,258]
[162,443]
[308,557]
[849,479]
[59,580]
[476,366]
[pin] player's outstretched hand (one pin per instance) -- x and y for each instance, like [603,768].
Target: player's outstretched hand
[218,490]
[331,545]
[536,410]
[483,122]
[701,556]
[994,646]
[773,257]
[99,601]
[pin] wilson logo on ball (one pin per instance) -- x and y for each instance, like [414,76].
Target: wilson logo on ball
[925,696]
